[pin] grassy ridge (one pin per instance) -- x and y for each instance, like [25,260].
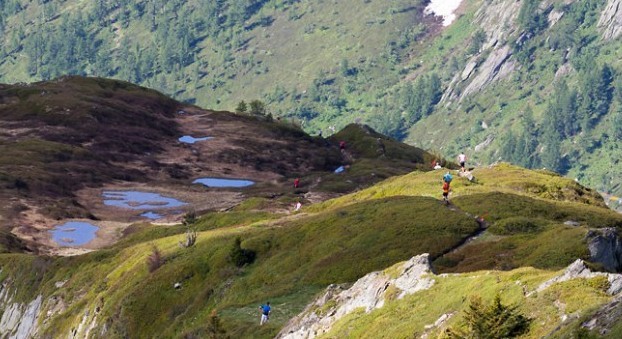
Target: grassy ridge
[334,242]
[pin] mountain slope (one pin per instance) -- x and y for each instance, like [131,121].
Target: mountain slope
[535,82]
[297,255]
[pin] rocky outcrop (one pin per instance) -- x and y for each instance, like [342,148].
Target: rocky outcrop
[367,293]
[496,20]
[605,248]
[19,320]
[605,318]
[610,21]
[578,270]
[496,67]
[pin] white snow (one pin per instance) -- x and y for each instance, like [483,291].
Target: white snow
[444,8]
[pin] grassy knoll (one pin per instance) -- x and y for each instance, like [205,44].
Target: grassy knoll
[503,178]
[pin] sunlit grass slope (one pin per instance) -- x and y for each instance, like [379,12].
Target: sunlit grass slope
[450,295]
[298,255]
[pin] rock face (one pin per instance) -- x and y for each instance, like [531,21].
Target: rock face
[603,320]
[610,21]
[368,293]
[578,270]
[606,248]
[496,67]
[496,21]
[19,320]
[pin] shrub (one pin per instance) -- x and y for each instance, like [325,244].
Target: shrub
[155,259]
[491,321]
[240,256]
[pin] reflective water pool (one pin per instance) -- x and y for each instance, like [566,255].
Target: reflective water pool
[74,233]
[151,215]
[191,140]
[137,200]
[221,182]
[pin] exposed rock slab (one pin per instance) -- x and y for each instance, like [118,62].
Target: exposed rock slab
[19,320]
[367,293]
[605,247]
[610,21]
[494,68]
[578,270]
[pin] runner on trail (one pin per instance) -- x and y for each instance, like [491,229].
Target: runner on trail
[446,192]
[446,182]
[296,182]
[265,313]
[462,160]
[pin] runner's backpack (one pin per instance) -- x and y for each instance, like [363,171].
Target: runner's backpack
[447,177]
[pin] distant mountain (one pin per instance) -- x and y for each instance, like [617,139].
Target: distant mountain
[534,82]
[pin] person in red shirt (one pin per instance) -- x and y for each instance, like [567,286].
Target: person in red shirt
[296,182]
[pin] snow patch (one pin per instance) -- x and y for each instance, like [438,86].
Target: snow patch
[445,9]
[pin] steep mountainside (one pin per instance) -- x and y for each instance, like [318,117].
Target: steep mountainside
[533,82]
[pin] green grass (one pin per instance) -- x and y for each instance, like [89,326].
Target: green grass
[335,242]
[408,317]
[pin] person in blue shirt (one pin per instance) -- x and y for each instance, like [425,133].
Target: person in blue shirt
[265,313]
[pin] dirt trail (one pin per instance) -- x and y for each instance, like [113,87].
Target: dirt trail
[483,226]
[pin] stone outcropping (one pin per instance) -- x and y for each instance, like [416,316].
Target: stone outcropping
[605,248]
[578,270]
[610,21]
[367,293]
[496,67]
[18,320]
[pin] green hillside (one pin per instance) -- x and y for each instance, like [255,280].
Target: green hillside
[128,288]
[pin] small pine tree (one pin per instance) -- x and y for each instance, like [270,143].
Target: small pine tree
[257,107]
[242,107]
[491,321]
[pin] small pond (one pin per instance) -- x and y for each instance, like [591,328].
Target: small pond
[151,215]
[186,139]
[137,200]
[221,182]
[74,233]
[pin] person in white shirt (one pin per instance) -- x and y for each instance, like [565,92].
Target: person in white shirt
[462,160]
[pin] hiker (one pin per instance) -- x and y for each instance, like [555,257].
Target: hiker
[446,192]
[447,177]
[342,145]
[437,166]
[462,160]
[298,206]
[296,182]
[446,182]
[265,313]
